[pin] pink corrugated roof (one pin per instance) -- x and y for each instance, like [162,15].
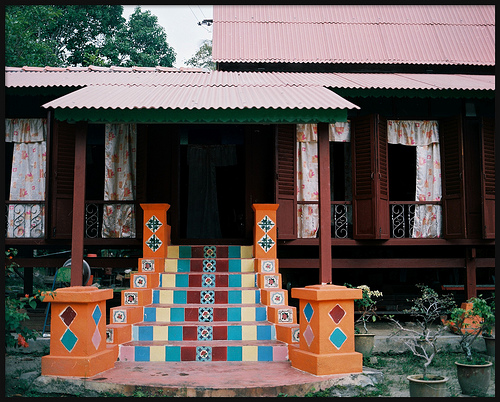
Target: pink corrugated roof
[81,77]
[381,34]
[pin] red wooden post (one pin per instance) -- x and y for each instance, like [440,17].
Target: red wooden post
[470,267]
[78,228]
[325,221]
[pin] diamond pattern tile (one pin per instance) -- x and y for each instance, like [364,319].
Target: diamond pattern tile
[266,243]
[308,335]
[154,243]
[97,314]
[337,313]
[207,297]
[266,224]
[308,312]
[68,315]
[69,340]
[209,266]
[208,280]
[153,224]
[203,353]
[337,338]
[205,314]
[205,333]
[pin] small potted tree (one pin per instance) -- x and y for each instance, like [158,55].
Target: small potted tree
[475,317]
[422,339]
[365,341]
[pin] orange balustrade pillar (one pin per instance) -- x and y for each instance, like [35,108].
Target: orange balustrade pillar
[326,319]
[264,231]
[156,235]
[78,332]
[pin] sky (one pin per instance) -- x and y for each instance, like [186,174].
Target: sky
[180,22]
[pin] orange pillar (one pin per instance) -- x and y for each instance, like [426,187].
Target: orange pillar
[326,317]
[264,231]
[78,332]
[156,235]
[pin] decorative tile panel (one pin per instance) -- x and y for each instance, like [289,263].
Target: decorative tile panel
[148,265]
[130,298]
[154,243]
[337,313]
[277,298]
[267,266]
[207,297]
[110,335]
[205,333]
[285,315]
[208,280]
[209,266]
[266,224]
[153,224]
[209,252]
[203,353]
[266,243]
[308,312]
[296,335]
[271,281]
[140,281]
[337,338]
[205,314]
[119,316]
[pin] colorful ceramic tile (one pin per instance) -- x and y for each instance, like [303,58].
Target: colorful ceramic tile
[247,313]
[337,338]
[234,354]
[208,280]
[277,298]
[97,314]
[148,265]
[204,333]
[266,243]
[296,335]
[160,333]
[96,338]
[180,297]
[207,297]
[308,312]
[119,316]
[266,224]
[130,298]
[337,313]
[267,266]
[205,314]
[68,315]
[209,252]
[154,243]
[182,280]
[145,333]
[249,353]
[172,353]
[285,315]
[69,340]
[157,353]
[203,353]
[175,333]
[110,335]
[234,332]
[234,314]
[140,281]
[248,332]
[308,335]
[264,332]
[153,224]
[209,266]
[141,354]
[271,281]
[265,354]
[176,314]
[162,314]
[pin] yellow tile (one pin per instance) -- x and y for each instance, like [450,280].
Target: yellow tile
[247,265]
[157,353]
[163,315]
[173,251]
[248,314]
[248,296]
[170,265]
[249,353]
[248,333]
[246,251]
[168,280]
[160,333]
[166,296]
[248,280]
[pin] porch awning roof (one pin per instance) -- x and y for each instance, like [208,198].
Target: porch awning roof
[172,103]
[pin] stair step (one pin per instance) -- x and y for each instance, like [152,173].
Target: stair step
[203,351]
[204,313]
[210,251]
[209,265]
[206,296]
[207,280]
[241,331]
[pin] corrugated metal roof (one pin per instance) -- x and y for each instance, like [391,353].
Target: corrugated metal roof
[381,34]
[48,77]
[205,97]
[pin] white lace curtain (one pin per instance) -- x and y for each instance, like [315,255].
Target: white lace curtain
[307,173]
[424,135]
[119,180]
[26,219]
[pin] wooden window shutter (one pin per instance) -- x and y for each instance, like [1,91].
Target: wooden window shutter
[62,179]
[370,178]
[286,181]
[452,177]
[488,176]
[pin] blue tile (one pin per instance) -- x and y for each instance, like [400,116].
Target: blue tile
[182,280]
[176,314]
[146,333]
[257,296]
[149,314]
[175,333]
[234,313]
[183,265]
[234,265]
[265,354]
[234,296]
[184,251]
[180,297]
[172,353]
[234,281]
[234,332]
[234,354]
[263,332]
[135,333]
[141,353]
[234,252]
[260,314]
[156,296]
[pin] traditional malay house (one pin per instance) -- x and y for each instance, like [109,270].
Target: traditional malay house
[370,127]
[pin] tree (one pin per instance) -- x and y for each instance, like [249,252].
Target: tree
[77,35]
[203,57]
[140,42]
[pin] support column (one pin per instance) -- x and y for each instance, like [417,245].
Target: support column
[264,231]
[325,220]
[78,226]
[156,237]
[78,333]
[470,273]
[326,330]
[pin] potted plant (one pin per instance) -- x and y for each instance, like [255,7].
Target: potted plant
[364,341]
[473,318]
[422,339]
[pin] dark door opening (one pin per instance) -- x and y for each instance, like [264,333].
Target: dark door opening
[212,183]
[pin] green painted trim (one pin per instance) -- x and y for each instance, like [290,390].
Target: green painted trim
[414,93]
[201,115]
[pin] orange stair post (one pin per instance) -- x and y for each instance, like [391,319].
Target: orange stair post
[326,322]
[78,332]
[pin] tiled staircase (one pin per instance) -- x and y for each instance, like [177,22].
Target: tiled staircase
[204,303]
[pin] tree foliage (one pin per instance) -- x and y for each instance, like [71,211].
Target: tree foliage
[203,57]
[81,35]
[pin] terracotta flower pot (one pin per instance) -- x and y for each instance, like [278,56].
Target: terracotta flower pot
[432,386]
[474,379]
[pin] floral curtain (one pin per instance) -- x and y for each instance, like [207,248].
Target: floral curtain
[27,183]
[119,180]
[307,173]
[425,136]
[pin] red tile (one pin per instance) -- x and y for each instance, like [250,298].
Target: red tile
[219,353]
[188,353]
[195,281]
[189,333]
[221,297]
[193,296]
[219,332]
[191,313]
[220,314]
[222,281]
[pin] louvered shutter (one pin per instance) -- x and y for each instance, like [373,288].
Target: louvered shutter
[62,179]
[286,182]
[370,178]
[452,177]
[488,177]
